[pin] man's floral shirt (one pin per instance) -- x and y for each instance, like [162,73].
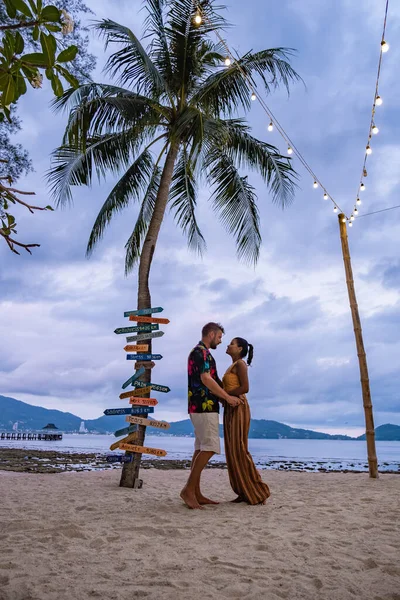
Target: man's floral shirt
[200,399]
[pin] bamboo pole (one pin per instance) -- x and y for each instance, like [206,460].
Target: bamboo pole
[362,359]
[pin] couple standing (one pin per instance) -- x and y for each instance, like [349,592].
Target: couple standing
[205,392]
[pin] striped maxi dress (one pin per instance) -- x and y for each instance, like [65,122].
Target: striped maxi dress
[244,478]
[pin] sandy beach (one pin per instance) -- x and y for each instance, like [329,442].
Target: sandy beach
[79,536]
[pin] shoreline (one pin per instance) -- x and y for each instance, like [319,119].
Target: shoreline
[24,460]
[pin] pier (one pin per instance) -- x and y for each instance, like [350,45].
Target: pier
[30,435]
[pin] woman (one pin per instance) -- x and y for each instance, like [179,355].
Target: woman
[243,475]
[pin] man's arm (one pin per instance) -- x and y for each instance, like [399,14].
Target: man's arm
[214,388]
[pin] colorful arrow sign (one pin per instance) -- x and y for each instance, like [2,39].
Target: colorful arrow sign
[144,336]
[138,392]
[143,357]
[145,401]
[136,328]
[140,410]
[122,458]
[134,377]
[143,311]
[148,422]
[136,348]
[126,430]
[149,320]
[142,449]
[147,364]
[129,439]
[154,386]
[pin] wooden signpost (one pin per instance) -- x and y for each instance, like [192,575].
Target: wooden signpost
[134,410]
[129,439]
[132,329]
[148,422]
[143,311]
[149,319]
[125,430]
[142,449]
[154,386]
[144,336]
[146,364]
[144,401]
[134,377]
[143,357]
[136,348]
[139,392]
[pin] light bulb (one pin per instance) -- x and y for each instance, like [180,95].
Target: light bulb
[365,174]
[335,209]
[355,211]
[362,187]
[344,220]
[289,150]
[350,224]
[384,46]
[352,218]
[198,19]
[375,130]
[315,185]
[227,61]
[378,100]
[271,126]
[325,196]
[358,201]
[368,149]
[253,96]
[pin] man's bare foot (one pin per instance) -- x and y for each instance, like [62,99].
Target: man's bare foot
[189,499]
[203,500]
[238,499]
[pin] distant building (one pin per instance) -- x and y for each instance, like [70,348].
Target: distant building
[82,428]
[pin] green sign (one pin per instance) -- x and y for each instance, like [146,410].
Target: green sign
[154,386]
[147,327]
[143,311]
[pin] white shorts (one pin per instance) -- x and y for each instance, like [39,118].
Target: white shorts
[206,429]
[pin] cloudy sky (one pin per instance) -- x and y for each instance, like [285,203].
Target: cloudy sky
[59,309]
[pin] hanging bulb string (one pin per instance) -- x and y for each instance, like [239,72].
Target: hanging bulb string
[378,211]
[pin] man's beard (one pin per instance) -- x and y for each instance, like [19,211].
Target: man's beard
[213,346]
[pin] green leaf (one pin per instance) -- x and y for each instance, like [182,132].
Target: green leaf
[9,46]
[48,207]
[55,28]
[50,13]
[35,10]
[68,54]
[49,46]
[21,85]
[72,80]
[29,72]
[22,7]
[35,58]
[35,33]
[19,43]
[10,8]
[9,91]
[10,219]
[57,85]
[49,73]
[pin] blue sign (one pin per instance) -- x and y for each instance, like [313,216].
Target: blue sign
[134,410]
[122,458]
[143,328]
[126,430]
[154,386]
[134,377]
[143,311]
[143,357]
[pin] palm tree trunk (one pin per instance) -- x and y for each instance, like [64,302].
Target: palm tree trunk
[130,471]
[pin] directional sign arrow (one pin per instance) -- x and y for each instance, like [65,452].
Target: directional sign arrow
[131,438]
[134,377]
[149,320]
[139,392]
[154,386]
[122,458]
[134,410]
[136,348]
[144,336]
[143,357]
[144,401]
[142,449]
[146,364]
[125,430]
[137,328]
[143,311]
[148,422]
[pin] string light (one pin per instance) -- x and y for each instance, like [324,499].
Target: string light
[344,219]
[352,218]
[315,185]
[368,150]
[253,96]
[325,196]
[290,150]
[375,129]
[197,18]
[335,209]
[362,187]
[358,201]
[227,61]
[350,224]
[271,126]
[355,211]
[378,101]
[384,46]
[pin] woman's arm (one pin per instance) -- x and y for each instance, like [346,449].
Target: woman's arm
[241,372]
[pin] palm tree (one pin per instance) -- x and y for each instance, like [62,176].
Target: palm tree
[169,124]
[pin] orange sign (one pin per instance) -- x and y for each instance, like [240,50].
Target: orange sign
[136,348]
[142,449]
[138,392]
[132,437]
[145,401]
[149,319]
[148,422]
[147,364]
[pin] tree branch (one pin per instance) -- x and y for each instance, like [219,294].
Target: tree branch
[19,25]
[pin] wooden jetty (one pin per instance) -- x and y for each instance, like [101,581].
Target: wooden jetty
[30,435]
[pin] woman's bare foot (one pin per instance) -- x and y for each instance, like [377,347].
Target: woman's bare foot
[203,500]
[238,499]
[189,499]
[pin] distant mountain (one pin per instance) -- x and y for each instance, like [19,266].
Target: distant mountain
[35,417]
[385,433]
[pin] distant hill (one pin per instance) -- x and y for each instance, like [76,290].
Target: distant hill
[35,417]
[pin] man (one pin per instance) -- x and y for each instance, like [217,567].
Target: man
[204,392]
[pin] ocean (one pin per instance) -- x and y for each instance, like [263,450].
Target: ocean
[311,455]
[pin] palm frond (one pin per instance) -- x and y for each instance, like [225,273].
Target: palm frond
[154,28]
[183,197]
[131,63]
[235,202]
[134,244]
[132,183]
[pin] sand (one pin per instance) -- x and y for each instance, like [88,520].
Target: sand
[79,536]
